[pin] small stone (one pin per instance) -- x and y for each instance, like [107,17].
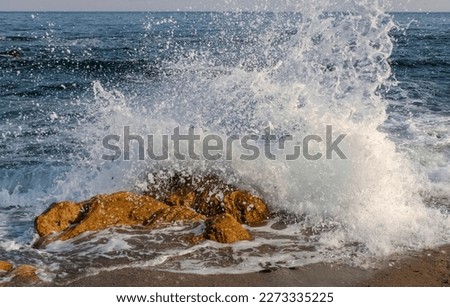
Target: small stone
[224,228]
[23,275]
[5,267]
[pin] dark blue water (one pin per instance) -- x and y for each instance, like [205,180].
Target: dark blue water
[419,104]
[79,75]
[63,53]
[421,59]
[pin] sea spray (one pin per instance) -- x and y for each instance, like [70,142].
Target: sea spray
[326,70]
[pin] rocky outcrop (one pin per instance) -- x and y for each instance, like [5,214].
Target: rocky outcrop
[247,208]
[58,217]
[224,228]
[67,220]
[174,200]
[118,209]
[210,196]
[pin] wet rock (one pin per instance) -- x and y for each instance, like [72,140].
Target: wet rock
[224,228]
[182,199]
[24,275]
[97,213]
[163,184]
[57,217]
[210,196]
[246,208]
[118,209]
[14,53]
[171,215]
[5,267]
[195,239]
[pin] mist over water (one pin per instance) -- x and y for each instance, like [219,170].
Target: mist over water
[226,74]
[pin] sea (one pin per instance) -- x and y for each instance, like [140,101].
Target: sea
[381,80]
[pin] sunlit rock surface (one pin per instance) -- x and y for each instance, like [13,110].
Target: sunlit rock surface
[224,228]
[174,200]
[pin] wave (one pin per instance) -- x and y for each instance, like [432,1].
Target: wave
[372,198]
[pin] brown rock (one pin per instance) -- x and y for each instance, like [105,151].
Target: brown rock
[189,199]
[164,184]
[186,199]
[210,196]
[186,190]
[224,228]
[246,208]
[209,201]
[118,209]
[172,215]
[57,217]
[195,239]
[97,213]
[5,267]
[23,275]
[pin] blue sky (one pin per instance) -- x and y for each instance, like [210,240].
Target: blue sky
[172,5]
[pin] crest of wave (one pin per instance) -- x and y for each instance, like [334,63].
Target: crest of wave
[301,72]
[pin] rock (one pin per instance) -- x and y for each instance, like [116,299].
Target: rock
[187,199]
[57,217]
[210,196]
[5,267]
[246,208]
[97,213]
[118,209]
[163,184]
[180,189]
[195,239]
[172,215]
[24,275]
[224,228]
[14,53]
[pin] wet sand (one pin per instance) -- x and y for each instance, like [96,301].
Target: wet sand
[425,268]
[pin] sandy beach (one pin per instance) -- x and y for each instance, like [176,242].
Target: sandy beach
[429,268]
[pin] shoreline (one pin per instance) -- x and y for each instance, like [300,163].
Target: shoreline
[427,268]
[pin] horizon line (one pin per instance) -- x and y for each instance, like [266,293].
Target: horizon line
[182,11]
